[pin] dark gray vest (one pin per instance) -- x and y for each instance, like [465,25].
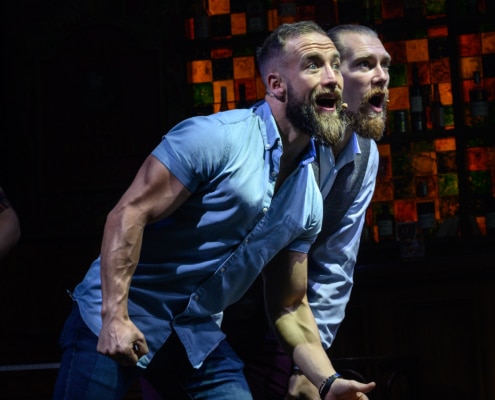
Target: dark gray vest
[344,190]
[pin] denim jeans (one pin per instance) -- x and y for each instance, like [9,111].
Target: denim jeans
[86,374]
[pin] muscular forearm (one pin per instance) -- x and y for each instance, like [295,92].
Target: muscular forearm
[121,246]
[298,332]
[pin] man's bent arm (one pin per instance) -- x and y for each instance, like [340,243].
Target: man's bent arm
[154,194]
[288,310]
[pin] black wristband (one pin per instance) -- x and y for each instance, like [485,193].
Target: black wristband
[327,383]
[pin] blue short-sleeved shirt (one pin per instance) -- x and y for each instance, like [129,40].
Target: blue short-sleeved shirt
[208,252]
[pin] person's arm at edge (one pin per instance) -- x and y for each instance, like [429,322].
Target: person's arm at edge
[10,231]
[154,194]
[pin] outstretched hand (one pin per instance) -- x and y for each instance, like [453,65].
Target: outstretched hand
[345,389]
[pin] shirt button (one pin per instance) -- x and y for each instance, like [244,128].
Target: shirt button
[196,297]
[267,146]
[274,174]
[222,270]
[265,209]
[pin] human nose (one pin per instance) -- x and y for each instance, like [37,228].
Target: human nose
[330,76]
[381,77]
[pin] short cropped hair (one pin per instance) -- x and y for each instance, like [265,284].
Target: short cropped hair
[335,34]
[273,48]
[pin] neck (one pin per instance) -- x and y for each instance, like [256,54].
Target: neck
[336,149]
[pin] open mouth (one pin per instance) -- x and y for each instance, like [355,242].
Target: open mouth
[376,102]
[326,102]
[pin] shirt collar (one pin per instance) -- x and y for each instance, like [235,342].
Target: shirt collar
[271,136]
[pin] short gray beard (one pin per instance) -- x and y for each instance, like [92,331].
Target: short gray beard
[367,124]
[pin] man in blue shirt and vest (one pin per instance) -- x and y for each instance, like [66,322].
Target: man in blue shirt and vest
[346,172]
[219,198]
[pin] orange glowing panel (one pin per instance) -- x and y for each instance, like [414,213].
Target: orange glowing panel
[445,93]
[244,67]
[229,84]
[488,42]
[260,88]
[218,7]
[399,98]
[200,71]
[417,50]
[468,65]
[238,23]
[445,144]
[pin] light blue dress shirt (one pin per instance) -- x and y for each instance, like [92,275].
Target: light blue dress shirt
[331,266]
[208,252]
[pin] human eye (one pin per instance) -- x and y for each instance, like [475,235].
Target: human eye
[313,65]
[364,64]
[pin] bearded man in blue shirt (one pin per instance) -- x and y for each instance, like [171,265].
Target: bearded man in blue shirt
[346,172]
[219,198]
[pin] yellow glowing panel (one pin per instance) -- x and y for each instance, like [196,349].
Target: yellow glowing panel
[200,71]
[238,23]
[417,50]
[244,67]
[468,65]
[488,42]
[399,98]
[445,90]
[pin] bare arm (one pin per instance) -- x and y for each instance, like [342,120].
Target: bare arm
[288,310]
[154,194]
[10,231]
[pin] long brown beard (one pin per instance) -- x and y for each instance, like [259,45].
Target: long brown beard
[323,126]
[366,123]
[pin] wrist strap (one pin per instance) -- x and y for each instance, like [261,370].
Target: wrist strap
[327,383]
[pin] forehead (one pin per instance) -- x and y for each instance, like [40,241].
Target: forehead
[310,44]
[357,45]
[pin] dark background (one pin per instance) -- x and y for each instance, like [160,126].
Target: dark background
[88,89]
